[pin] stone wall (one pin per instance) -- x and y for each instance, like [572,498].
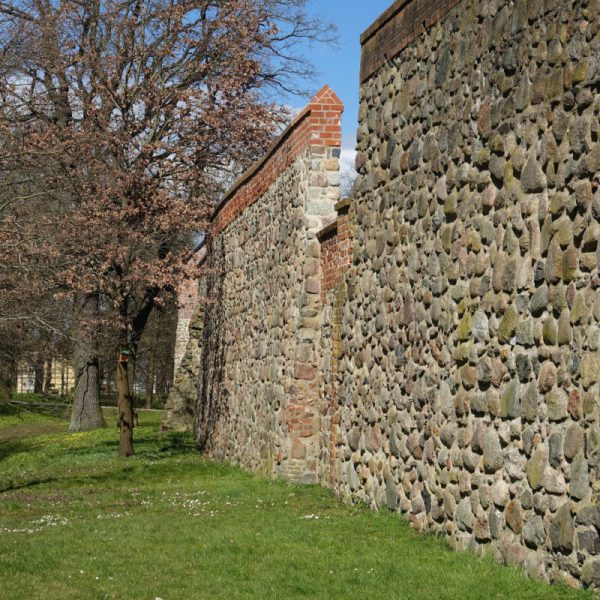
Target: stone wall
[259,399]
[470,365]
[187,297]
[335,259]
[179,414]
[433,345]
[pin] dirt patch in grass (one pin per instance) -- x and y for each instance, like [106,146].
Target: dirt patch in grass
[27,429]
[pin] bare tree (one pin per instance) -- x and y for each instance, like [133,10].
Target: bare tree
[129,114]
[347,179]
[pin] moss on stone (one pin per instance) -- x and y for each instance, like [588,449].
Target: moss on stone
[550,331]
[461,353]
[465,327]
[535,468]
[508,325]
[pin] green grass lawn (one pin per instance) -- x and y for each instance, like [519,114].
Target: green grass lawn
[77,522]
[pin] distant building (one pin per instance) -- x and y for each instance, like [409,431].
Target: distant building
[60,379]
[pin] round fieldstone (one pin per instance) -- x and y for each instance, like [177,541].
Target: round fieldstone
[590,370]
[530,403]
[539,301]
[590,573]
[547,378]
[511,400]
[480,326]
[492,451]
[500,493]
[524,368]
[533,179]
[579,486]
[514,516]
[508,326]
[464,515]
[535,468]
[589,515]
[533,532]
[556,403]
[573,441]
[555,449]
[562,530]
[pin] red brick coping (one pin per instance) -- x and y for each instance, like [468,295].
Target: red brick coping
[319,124]
[396,28]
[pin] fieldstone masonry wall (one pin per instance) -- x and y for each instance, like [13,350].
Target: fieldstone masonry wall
[434,345]
[180,407]
[187,296]
[335,259]
[470,368]
[259,402]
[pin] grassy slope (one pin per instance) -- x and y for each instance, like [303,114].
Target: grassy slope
[77,522]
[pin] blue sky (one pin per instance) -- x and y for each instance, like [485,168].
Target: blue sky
[339,67]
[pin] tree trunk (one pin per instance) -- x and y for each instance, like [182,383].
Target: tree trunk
[131,329]
[125,407]
[38,372]
[5,387]
[63,383]
[150,380]
[131,377]
[8,378]
[86,413]
[162,383]
[104,387]
[48,377]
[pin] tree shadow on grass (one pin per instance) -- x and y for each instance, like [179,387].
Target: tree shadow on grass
[165,445]
[9,410]
[155,449]
[178,443]
[13,447]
